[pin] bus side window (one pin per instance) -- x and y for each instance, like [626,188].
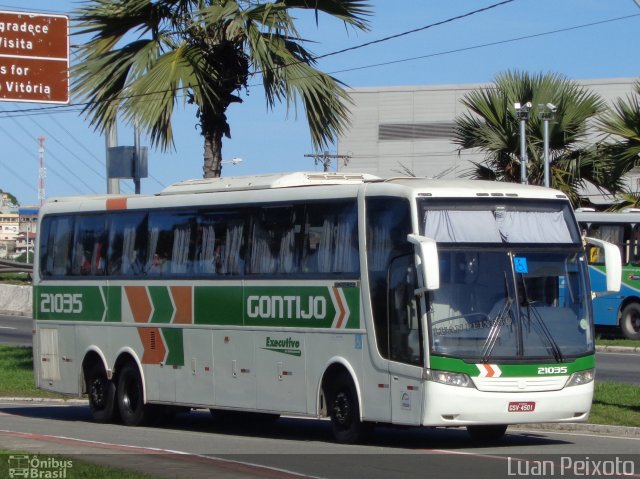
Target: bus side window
[634,257]
[127,244]
[220,243]
[388,223]
[331,239]
[88,257]
[275,240]
[56,260]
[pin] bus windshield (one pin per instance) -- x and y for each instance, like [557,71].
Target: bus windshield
[513,280]
[508,304]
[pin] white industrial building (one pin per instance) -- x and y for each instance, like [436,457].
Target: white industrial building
[410,128]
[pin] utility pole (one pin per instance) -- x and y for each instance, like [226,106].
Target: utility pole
[41,176]
[111,140]
[522,113]
[546,113]
[325,158]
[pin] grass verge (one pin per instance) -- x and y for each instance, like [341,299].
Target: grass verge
[21,279]
[631,343]
[54,465]
[16,364]
[616,404]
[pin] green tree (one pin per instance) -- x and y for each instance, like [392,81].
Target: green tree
[143,56]
[10,198]
[622,125]
[491,126]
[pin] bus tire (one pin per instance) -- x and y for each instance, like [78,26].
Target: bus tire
[102,394]
[130,398]
[491,433]
[344,412]
[630,321]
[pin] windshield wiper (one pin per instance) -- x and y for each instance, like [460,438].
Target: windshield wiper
[533,312]
[496,327]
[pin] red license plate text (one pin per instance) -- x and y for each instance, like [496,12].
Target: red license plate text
[522,406]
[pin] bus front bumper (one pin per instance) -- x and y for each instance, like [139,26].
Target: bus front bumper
[460,406]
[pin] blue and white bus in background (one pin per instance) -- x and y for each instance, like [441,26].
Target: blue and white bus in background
[621,309]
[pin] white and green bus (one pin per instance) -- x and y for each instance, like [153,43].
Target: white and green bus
[400,301]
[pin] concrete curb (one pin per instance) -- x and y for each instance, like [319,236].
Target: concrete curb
[45,400]
[15,300]
[622,431]
[618,349]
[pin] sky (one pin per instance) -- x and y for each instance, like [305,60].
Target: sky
[581,39]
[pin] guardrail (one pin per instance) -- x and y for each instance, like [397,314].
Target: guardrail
[7,266]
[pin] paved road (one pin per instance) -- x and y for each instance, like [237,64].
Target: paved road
[195,441]
[15,330]
[618,367]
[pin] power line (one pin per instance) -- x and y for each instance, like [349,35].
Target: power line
[31,154]
[62,164]
[79,107]
[65,147]
[34,10]
[352,48]
[484,45]
[415,30]
[18,176]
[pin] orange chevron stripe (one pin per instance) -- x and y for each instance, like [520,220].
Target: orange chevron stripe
[184,305]
[117,203]
[154,349]
[343,313]
[490,370]
[139,303]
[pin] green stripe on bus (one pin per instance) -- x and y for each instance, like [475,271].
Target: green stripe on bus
[292,306]
[72,303]
[514,370]
[173,337]
[114,303]
[162,305]
[218,305]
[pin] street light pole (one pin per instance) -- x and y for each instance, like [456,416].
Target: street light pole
[547,113]
[522,113]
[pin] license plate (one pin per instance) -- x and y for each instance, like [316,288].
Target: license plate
[522,406]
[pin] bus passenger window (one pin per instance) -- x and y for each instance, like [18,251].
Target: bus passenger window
[88,258]
[275,241]
[56,260]
[331,239]
[127,244]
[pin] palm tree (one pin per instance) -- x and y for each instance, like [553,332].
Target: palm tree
[491,125]
[205,52]
[622,123]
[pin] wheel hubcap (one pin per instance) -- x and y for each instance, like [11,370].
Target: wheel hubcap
[342,409]
[97,393]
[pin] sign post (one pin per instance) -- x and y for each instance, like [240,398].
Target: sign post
[34,57]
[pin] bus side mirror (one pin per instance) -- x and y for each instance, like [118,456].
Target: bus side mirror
[427,251]
[612,263]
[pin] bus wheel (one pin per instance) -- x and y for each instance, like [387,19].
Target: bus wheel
[630,321]
[131,405]
[102,394]
[345,412]
[487,433]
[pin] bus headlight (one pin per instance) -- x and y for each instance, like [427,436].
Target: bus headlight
[581,377]
[449,378]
